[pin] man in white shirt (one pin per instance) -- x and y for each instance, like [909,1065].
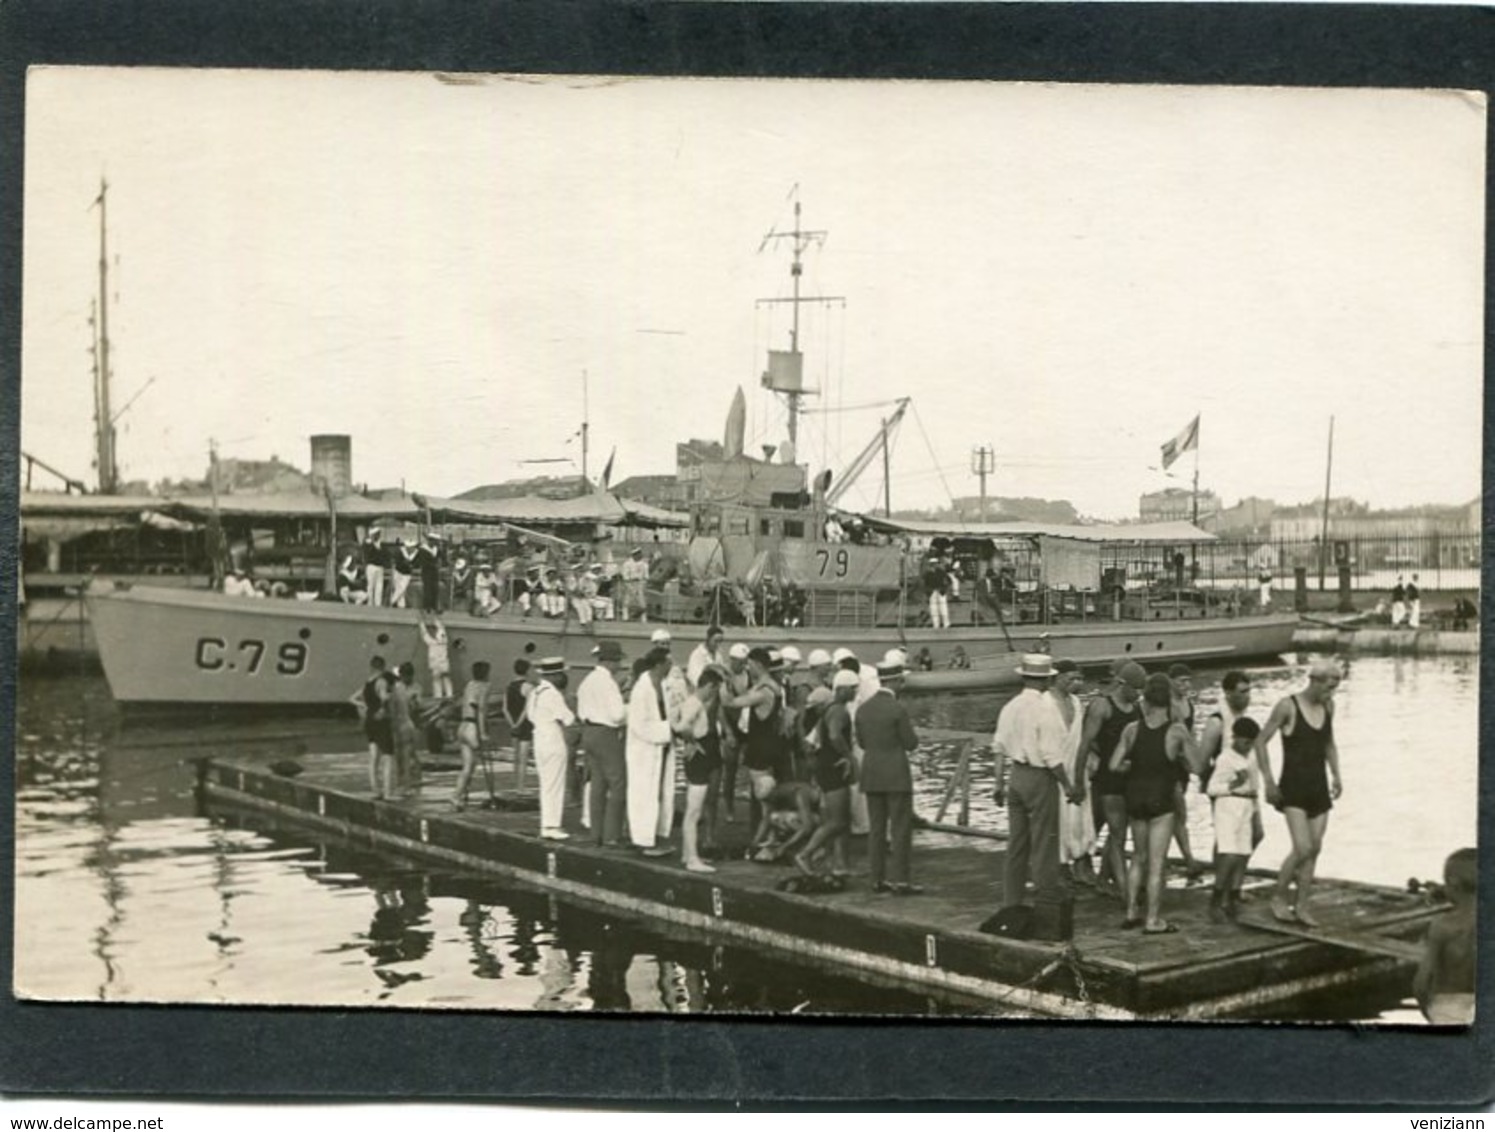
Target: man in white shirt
[868,685]
[552,717]
[706,655]
[1025,739]
[649,736]
[604,722]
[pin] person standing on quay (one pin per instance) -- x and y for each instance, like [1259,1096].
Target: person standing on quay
[887,736]
[472,731]
[604,724]
[706,655]
[1236,701]
[1398,603]
[1076,820]
[1105,719]
[649,736]
[1147,758]
[516,712]
[1028,738]
[1182,679]
[1414,604]
[1308,786]
[552,719]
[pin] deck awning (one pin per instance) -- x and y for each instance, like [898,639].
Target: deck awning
[1152,534]
[538,511]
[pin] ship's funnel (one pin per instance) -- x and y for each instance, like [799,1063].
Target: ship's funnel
[736,424]
[332,463]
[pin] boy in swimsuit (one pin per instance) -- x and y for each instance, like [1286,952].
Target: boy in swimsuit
[1305,792]
[1232,788]
[1444,984]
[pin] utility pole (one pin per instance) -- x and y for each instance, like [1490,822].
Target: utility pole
[586,484]
[1324,530]
[983,463]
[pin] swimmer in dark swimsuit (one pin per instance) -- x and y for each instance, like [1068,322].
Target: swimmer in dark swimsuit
[1147,760]
[1308,786]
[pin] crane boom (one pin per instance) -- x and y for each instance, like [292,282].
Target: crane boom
[865,457]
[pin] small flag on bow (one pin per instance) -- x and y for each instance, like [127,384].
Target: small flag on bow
[1188,438]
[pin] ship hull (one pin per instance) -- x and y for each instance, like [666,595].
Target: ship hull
[176,647]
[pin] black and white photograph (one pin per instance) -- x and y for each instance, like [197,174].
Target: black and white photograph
[750,547]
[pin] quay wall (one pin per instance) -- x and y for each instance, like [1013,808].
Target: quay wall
[1386,642]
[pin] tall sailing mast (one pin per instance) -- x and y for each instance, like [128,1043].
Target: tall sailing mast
[103,415]
[785,373]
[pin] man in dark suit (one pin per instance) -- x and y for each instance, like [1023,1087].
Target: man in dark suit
[885,732]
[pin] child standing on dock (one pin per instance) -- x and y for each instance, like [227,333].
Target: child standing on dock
[1233,787]
[1444,984]
[516,712]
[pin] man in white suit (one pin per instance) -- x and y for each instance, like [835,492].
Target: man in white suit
[649,737]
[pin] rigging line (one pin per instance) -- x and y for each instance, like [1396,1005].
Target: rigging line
[933,458]
[827,411]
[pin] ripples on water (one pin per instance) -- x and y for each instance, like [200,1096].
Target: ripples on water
[125,893]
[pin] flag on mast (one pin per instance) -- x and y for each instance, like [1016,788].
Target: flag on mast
[607,469]
[1187,439]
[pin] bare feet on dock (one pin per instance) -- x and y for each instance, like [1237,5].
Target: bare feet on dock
[1283,913]
[803,865]
[1306,919]
[699,867]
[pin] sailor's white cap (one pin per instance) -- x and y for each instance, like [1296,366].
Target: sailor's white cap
[818,658]
[738,651]
[842,653]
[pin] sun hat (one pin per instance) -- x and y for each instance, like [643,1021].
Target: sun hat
[818,658]
[660,637]
[845,679]
[791,656]
[1036,665]
[895,657]
[738,651]
[842,653]
[551,666]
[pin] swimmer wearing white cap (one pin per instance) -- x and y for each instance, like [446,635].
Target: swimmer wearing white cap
[1309,784]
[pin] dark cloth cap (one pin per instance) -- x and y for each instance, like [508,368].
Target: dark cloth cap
[1066,665]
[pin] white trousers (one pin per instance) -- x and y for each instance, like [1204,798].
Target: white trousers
[939,611]
[375,576]
[644,760]
[1414,612]
[398,586]
[666,824]
[550,765]
[1398,612]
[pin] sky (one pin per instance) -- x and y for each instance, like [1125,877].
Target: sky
[1066,273]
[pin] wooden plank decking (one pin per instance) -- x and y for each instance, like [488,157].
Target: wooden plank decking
[927,941]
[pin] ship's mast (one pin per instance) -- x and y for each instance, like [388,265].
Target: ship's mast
[108,476]
[785,374]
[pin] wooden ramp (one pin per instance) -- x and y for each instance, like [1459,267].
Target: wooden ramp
[927,942]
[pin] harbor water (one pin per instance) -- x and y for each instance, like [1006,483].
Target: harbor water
[126,892]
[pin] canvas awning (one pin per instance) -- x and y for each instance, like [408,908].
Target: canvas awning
[1155,534]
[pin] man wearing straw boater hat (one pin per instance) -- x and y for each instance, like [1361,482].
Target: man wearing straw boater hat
[887,736]
[552,718]
[1024,740]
